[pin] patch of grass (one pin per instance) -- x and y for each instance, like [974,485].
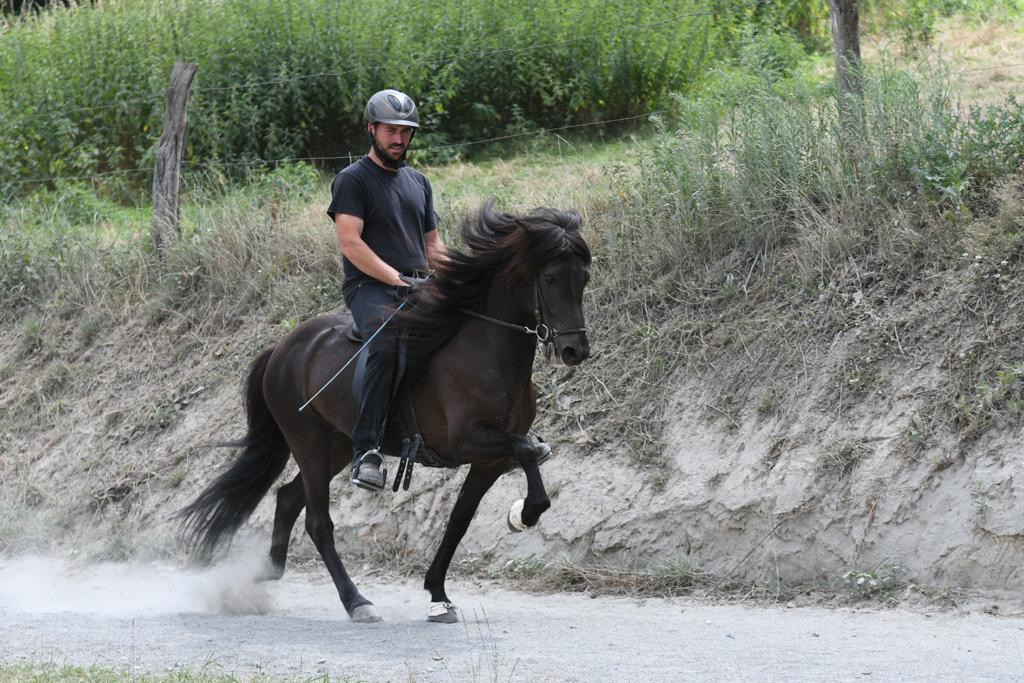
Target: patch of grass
[768,404]
[778,445]
[90,327]
[919,435]
[574,173]
[56,376]
[1000,395]
[177,476]
[886,584]
[49,672]
[31,335]
[746,201]
[716,479]
[982,494]
[158,415]
[842,457]
[878,584]
[666,580]
[859,377]
[396,556]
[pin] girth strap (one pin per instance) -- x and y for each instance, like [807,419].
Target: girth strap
[410,447]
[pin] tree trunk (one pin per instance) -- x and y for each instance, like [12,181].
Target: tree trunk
[846,48]
[167,174]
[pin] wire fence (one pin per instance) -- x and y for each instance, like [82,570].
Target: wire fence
[988,68]
[215,164]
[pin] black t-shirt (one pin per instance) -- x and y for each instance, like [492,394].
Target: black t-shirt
[397,211]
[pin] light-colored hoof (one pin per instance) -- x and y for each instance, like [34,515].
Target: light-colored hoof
[442,613]
[515,517]
[365,614]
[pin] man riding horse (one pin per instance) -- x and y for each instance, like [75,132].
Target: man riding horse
[387,231]
[516,283]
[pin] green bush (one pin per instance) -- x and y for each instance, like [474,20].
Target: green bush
[746,167]
[82,89]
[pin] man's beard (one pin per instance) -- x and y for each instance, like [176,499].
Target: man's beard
[384,156]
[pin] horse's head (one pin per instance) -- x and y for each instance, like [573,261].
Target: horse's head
[525,272]
[550,254]
[560,284]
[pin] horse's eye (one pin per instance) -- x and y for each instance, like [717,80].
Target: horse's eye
[550,278]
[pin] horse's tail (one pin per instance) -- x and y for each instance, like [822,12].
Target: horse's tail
[226,504]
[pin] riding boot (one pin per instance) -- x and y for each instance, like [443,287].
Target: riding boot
[369,307]
[368,464]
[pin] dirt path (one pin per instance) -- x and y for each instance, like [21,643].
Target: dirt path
[157,618]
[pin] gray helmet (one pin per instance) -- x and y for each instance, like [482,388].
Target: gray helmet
[391,106]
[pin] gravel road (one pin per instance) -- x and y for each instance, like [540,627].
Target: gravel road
[155,618]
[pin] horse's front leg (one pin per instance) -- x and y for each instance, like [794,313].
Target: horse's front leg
[477,483]
[526,513]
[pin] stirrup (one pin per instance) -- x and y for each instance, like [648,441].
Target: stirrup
[367,480]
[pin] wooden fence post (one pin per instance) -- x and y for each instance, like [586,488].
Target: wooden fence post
[846,49]
[167,174]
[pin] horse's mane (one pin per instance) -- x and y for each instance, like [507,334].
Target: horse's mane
[497,245]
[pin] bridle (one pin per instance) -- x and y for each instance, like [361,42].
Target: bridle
[545,333]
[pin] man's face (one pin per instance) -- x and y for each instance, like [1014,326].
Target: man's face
[392,141]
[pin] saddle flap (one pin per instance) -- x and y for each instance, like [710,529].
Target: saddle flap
[354,334]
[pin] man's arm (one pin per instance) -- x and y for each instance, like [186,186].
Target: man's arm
[437,253]
[350,240]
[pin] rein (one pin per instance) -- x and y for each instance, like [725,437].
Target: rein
[542,331]
[545,333]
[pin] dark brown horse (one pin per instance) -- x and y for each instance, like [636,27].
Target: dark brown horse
[473,333]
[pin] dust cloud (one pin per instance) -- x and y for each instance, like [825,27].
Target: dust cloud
[35,584]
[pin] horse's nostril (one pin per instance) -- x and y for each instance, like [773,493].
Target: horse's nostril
[570,356]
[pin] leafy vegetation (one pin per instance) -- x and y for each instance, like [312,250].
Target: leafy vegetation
[83,87]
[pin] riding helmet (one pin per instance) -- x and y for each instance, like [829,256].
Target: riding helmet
[391,106]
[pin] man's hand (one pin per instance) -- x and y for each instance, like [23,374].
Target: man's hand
[411,284]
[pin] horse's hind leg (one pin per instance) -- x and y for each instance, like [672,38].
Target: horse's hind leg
[319,462]
[291,498]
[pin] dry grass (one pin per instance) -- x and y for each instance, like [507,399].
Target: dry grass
[583,175]
[671,580]
[985,57]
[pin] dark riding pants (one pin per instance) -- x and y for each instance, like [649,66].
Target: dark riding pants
[371,303]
